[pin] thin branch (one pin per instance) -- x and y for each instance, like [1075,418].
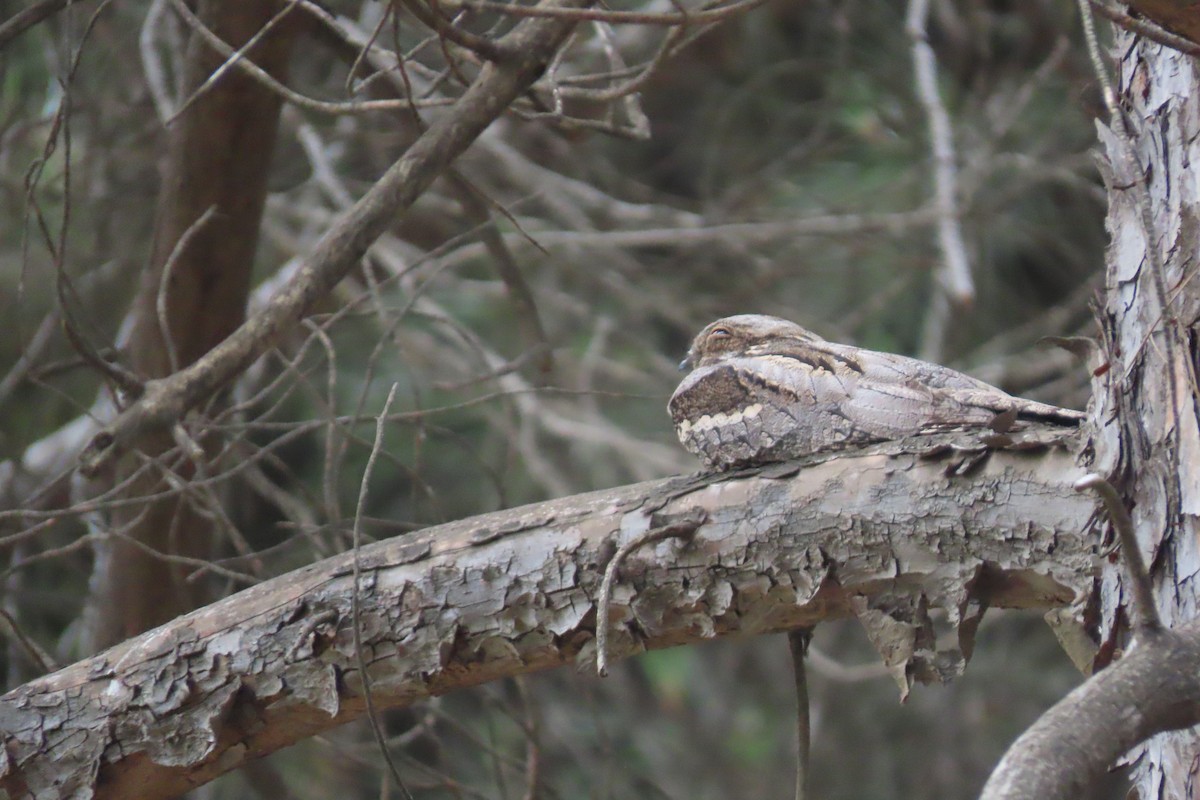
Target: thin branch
[476,206]
[700,233]
[29,16]
[670,45]
[35,652]
[164,284]
[955,273]
[356,622]
[339,250]
[681,528]
[833,670]
[487,48]
[262,76]
[122,378]
[152,65]
[533,751]
[232,58]
[712,12]
[1145,28]
[798,642]
[30,353]
[1146,621]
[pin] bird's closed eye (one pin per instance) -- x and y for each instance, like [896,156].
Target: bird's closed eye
[720,333]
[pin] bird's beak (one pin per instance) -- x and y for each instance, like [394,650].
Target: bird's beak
[686,364]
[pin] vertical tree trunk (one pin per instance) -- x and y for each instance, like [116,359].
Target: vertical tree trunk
[1149,440]
[219,153]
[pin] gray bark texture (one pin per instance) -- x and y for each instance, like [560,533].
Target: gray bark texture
[1148,441]
[1143,706]
[898,534]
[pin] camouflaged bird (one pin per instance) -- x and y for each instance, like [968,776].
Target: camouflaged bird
[764,389]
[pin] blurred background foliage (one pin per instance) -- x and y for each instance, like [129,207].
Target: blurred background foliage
[772,122]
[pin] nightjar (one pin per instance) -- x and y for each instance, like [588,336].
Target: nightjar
[764,389]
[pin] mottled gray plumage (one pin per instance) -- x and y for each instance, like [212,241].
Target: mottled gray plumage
[764,389]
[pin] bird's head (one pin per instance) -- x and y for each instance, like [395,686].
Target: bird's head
[742,335]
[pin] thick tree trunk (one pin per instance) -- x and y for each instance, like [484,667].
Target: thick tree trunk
[888,533]
[213,192]
[1148,440]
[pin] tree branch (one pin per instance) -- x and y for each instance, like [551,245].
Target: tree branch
[1075,743]
[534,43]
[1150,30]
[1177,17]
[895,529]
[27,17]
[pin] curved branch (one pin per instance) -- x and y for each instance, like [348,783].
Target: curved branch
[1074,744]
[1146,622]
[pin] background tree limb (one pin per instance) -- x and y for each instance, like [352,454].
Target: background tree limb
[533,44]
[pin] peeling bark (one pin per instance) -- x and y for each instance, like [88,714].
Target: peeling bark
[1148,437]
[898,533]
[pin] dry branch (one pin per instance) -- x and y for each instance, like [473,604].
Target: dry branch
[28,17]
[1072,746]
[1176,17]
[534,43]
[889,532]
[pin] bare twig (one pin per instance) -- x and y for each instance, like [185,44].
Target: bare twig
[27,17]
[430,15]
[164,284]
[1145,28]
[35,652]
[710,12]
[233,58]
[955,274]
[372,714]
[798,641]
[262,76]
[62,126]
[29,355]
[343,245]
[1146,621]
[531,727]
[156,81]
[748,232]
[525,309]
[838,672]
[681,528]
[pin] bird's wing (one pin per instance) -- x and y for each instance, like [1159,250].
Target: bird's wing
[896,369]
[954,397]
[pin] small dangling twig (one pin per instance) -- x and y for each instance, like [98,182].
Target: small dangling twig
[681,527]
